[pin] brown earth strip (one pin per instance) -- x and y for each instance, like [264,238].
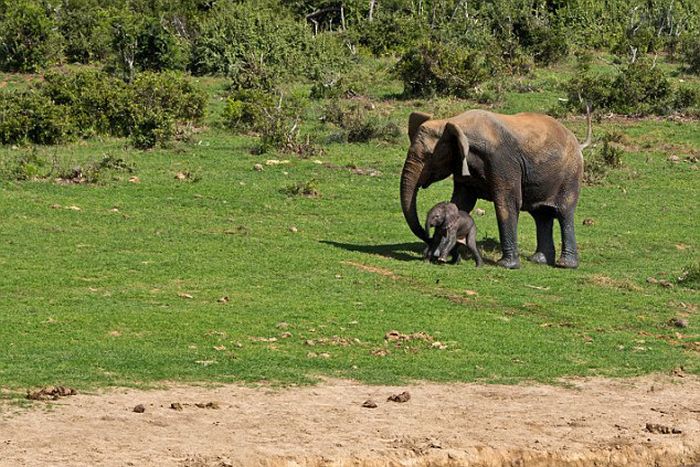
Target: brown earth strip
[653,420]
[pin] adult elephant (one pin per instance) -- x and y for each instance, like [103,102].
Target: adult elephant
[524,162]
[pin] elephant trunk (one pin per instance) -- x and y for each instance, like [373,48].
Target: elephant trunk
[410,175]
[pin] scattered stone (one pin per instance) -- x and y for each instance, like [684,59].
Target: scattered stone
[181,176]
[74,208]
[293,229]
[207,405]
[662,429]
[661,282]
[134,180]
[380,352]
[400,398]
[56,206]
[286,335]
[369,404]
[679,322]
[184,295]
[673,158]
[258,167]
[439,345]
[51,393]
[588,221]
[479,212]
[176,406]
[223,300]
[276,162]
[282,325]
[140,408]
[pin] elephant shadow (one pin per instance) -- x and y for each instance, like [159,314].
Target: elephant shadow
[410,251]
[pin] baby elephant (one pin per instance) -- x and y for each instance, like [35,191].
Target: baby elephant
[453,230]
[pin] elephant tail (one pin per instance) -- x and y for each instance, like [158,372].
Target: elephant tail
[589,131]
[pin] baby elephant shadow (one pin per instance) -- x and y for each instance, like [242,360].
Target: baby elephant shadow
[411,251]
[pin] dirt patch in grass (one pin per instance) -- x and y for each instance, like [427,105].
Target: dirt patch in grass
[373,269]
[653,420]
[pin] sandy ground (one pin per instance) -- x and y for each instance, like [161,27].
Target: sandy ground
[585,422]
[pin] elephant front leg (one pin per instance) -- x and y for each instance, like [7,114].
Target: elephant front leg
[507,216]
[463,197]
[545,252]
[569,252]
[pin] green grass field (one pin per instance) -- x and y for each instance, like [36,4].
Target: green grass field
[121,282]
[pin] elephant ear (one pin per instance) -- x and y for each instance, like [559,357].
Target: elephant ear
[462,145]
[415,120]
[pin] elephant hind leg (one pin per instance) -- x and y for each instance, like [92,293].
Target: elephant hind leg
[569,251]
[545,252]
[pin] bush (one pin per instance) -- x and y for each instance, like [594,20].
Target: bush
[85,29]
[598,164]
[245,109]
[690,53]
[30,116]
[158,49]
[97,102]
[161,100]
[436,69]
[358,122]
[234,36]
[639,89]
[309,189]
[28,37]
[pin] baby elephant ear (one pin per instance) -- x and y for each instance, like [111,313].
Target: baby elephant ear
[462,144]
[415,120]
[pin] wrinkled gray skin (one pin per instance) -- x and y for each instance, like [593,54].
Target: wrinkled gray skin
[454,229]
[524,162]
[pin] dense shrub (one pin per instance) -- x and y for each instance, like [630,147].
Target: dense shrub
[231,35]
[359,121]
[91,102]
[245,109]
[85,30]
[32,116]
[602,159]
[160,101]
[97,102]
[159,49]
[436,69]
[28,37]
[639,89]
[690,53]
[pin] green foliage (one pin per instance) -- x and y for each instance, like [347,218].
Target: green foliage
[28,37]
[97,102]
[159,49]
[245,109]
[27,166]
[392,32]
[235,37]
[85,30]
[93,171]
[690,277]
[90,102]
[601,160]
[690,53]
[359,121]
[309,189]
[160,100]
[641,88]
[435,69]
[30,116]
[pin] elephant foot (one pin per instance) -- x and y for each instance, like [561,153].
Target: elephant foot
[509,262]
[541,258]
[568,262]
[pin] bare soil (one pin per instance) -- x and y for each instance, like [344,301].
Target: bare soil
[654,420]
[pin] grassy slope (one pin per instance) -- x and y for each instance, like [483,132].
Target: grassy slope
[91,297]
